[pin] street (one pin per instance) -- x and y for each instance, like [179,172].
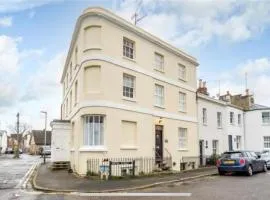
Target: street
[214,187]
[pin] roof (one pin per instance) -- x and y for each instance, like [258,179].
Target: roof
[258,107]
[39,137]
[108,15]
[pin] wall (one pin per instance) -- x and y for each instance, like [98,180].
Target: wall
[210,131]
[255,130]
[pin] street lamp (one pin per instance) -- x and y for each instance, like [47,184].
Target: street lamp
[45,141]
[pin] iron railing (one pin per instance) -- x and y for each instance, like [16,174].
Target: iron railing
[127,166]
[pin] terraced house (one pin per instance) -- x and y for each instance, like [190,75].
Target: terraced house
[128,94]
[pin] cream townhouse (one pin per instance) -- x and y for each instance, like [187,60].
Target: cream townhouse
[127,93]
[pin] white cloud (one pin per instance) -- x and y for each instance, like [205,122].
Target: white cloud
[258,78]
[6,21]
[19,5]
[31,14]
[194,23]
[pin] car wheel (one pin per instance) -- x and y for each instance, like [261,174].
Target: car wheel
[250,171]
[264,167]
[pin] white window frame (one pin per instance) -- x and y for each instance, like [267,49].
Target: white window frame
[219,119]
[129,89]
[238,142]
[70,72]
[93,130]
[215,147]
[232,120]
[266,119]
[159,62]
[70,101]
[204,116]
[266,142]
[239,119]
[182,102]
[182,138]
[128,48]
[182,72]
[76,93]
[159,95]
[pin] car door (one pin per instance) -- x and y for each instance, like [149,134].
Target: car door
[253,160]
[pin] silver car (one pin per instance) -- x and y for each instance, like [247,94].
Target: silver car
[266,156]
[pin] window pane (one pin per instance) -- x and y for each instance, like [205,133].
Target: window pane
[93,130]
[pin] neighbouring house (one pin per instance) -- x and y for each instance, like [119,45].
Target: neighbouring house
[3,141]
[37,140]
[12,140]
[257,128]
[128,94]
[221,123]
[26,141]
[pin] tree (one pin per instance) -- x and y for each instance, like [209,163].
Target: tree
[19,129]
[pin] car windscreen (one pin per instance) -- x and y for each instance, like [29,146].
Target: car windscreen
[265,156]
[232,155]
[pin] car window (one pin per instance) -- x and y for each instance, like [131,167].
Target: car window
[253,154]
[232,155]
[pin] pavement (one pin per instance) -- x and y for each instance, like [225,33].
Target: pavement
[62,181]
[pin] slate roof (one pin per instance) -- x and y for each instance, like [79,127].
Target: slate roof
[38,136]
[258,107]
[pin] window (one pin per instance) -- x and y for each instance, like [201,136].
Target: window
[70,71]
[159,62]
[92,77]
[63,110]
[266,140]
[128,48]
[182,138]
[238,142]
[128,86]
[67,81]
[219,119]
[239,119]
[204,116]
[67,107]
[182,72]
[182,101]
[231,117]
[93,130]
[129,130]
[215,146]
[266,117]
[159,95]
[92,37]
[76,57]
[76,93]
[70,99]
[64,88]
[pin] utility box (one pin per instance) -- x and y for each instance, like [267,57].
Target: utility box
[60,145]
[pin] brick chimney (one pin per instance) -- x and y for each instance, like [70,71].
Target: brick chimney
[202,88]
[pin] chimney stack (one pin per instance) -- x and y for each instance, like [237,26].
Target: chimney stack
[200,83]
[247,92]
[204,84]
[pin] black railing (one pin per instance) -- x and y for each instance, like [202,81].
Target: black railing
[200,161]
[121,167]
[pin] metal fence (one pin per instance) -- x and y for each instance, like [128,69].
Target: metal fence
[120,167]
[198,161]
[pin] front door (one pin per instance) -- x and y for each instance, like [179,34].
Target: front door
[230,142]
[201,152]
[159,144]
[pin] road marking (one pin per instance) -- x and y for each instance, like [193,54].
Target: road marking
[26,177]
[133,194]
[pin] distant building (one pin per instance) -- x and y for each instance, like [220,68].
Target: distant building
[37,140]
[3,141]
[257,128]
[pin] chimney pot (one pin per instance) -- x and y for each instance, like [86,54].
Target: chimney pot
[228,93]
[204,84]
[200,83]
[247,92]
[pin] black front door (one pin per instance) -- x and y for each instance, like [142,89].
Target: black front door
[230,142]
[159,145]
[201,152]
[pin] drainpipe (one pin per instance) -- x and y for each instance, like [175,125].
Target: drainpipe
[244,127]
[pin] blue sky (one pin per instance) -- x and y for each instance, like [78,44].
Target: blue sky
[229,38]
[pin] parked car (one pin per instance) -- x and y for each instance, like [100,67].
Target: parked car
[9,150]
[241,161]
[266,156]
[45,150]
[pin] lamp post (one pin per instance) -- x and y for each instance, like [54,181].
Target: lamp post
[45,141]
